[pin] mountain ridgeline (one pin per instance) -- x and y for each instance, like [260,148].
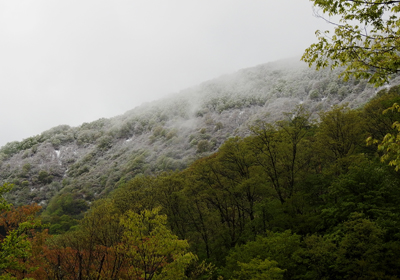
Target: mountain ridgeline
[89,161]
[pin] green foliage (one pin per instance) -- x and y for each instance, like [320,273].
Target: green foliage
[378,121]
[16,244]
[390,143]
[154,252]
[275,250]
[368,188]
[104,143]
[14,247]
[224,204]
[44,177]
[282,151]
[61,224]
[5,188]
[136,195]
[203,146]
[364,40]
[317,254]
[340,135]
[15,147]
[63,211]
[26,168]
[258,269]
[360,249]
[340,132]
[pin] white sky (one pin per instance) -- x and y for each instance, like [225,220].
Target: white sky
[75,61]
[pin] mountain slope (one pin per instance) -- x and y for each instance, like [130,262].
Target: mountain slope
[90,160]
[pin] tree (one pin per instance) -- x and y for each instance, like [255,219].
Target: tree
[390,143]
[3,190]
[223,192]
[258,269]
[16,246]
[361,250]
[368,187]
[365,39]
[317,255]
[339,136]
[274,253]
[379,124]
[13,248]
[111,245]
[90,251]
[282,151]
[340,132]
[153,251]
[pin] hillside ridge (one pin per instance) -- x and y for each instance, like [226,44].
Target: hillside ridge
[91,160]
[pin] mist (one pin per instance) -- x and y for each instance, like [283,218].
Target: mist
[69,62]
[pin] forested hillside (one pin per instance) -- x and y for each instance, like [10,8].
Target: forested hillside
[274,172]
[293,199]
[87,162]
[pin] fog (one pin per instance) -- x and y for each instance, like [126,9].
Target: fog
[69,62]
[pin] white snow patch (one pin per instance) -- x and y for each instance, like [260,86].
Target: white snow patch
[58,157]
[43,202]
[128,140]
